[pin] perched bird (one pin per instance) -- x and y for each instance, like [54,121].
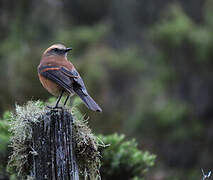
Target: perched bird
[59,76]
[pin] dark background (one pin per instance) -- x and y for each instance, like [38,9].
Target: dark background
[147,63]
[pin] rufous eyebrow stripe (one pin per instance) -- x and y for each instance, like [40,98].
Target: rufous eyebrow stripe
[49,69]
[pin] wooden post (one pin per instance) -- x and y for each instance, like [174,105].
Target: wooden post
[54,157]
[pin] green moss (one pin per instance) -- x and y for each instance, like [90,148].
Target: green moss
[21,130]
[87,153]
[118,156]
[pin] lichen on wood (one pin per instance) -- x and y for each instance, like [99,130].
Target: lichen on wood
[87,152]
[40,133]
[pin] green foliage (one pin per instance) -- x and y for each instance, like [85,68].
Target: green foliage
[4,133]
[4,142]
[174,27]
[208,12]
[161,83]
[177,30]
[101,64]
[118,157]
[171,117]
[123,160]
[82,37]
[171,113]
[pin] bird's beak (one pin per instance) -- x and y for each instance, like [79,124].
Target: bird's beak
[68,49]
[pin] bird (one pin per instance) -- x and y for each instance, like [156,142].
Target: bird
[59,76]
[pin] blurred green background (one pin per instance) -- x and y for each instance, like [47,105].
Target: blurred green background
[147,63]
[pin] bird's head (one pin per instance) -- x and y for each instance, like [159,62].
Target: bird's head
[57,49]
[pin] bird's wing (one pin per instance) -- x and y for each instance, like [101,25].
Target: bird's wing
[80,89]
[78,81]
[55,74]
[68,79]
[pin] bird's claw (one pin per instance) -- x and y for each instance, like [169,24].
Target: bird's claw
[55,107]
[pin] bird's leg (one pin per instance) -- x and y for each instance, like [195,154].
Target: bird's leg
[71,101]
[58,100]
[65,102]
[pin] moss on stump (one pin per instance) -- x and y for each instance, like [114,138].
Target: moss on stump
[47,142]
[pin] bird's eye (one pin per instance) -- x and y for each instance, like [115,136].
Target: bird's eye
[55,49]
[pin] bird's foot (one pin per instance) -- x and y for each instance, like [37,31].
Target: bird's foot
[55,107]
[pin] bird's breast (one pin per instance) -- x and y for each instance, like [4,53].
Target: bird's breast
[50,86]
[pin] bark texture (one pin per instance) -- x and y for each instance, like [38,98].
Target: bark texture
[54,147]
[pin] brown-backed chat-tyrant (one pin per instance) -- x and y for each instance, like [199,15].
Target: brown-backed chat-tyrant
[59,76]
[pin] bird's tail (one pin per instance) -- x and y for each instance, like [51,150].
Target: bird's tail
[89,102]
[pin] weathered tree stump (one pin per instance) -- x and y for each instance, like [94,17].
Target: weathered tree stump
[53,145]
